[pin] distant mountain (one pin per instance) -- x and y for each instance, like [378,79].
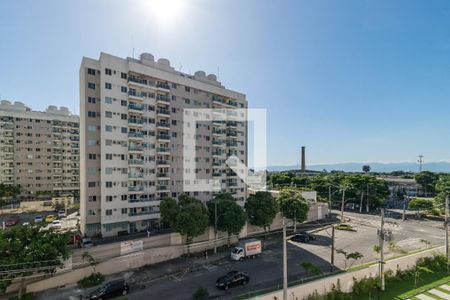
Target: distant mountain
[376,167]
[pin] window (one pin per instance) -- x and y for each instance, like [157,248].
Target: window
[92,198]
[123,116]
[91,114]
[91,100]
[123,89]
[187,101]
[174,85]
[108,142]
[109,198]
[187,89]
[92,128]
[108,128]
[124,197]
[91,71]
[108,171]
[174,98]
[108,114]
[124,211]
[109,184]
[92,156]
[108,212]
[108,156]
[174,122]
[91,212]
[91,184]
[108,100]
[92,143]
[123,75]
[124,130]
[108,71]
[108,86]
[123,102]
[91,85]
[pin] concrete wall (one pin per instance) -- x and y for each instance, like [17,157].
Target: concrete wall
[346,279]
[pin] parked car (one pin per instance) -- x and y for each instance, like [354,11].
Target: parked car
[11,221]
[110,290]
[50,218]
[232,278]
[38,219]
[56,224]
[303,237]
[61,213]
[86,243]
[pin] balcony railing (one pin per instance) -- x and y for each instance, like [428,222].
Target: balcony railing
[135,148]
[162,162]
[136,107]
[135,175]
[163,137]
[162,98]
[162,188]
[137,94]
[135,134]
[163,111]
[135,162]
[145,212]
[135,121]
[166,125]
[162,175]
[137,80]
[137,188]
[163,85]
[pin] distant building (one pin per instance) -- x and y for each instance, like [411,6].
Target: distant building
[132,114]
[39,150]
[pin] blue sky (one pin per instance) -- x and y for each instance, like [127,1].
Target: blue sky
[352,80]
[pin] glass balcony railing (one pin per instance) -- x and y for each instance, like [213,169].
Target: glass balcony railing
[162,175]
[162,188]
[137,94]
[163,111]
[135,121]
[135,175]
[135,162]
[136,188]
[165,125]
[137,80]
[135,148]
[163,137]
[135,134]
[136,107]
[163,85]
[144,212]
[162,162]
[162,98]
[162,149]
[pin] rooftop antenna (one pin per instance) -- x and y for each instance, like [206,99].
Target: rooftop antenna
[420,161]
[218,72]
[132,43]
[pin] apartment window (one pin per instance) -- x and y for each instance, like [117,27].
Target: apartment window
[123,89]
[174,98]
[124,211]
[108,171]
[108,114]
[123,75]
[109,198]
[174,122]
[108,128]
[92,170]
[91,114]
[174,85]
[187,89]
[108,85]
[91,85]
[109,184]
[92,156]
[92,142]
[108,100]
[187,101]
[108,212]
[91,71]
[124,130]
[92,128]
[124,197]
[123,116]
[123,102]
[91,184]
[91,212]
[92,198]
[108,142]
[108,156]
[108,71]
[91,100]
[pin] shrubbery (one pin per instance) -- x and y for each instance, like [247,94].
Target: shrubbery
[91,280]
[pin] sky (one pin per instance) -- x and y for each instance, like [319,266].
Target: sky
[353,81]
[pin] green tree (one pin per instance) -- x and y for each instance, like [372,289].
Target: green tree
[366,169]
[169,211]
[349,256]
[231,216]
[427,180]
[420,204]
[293,206]
[261,209]
[27,250]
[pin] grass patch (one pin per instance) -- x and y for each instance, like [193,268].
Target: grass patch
[429,281]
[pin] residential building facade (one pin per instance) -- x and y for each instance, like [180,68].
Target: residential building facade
[133,113]
[39,150]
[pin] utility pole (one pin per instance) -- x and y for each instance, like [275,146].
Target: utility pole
[332,248]
[420,161]
[367,196]
[329,197]
[284,261]
[446,231]
[381,244]
[361,203]
[342,204]
[404,207]
[215,225]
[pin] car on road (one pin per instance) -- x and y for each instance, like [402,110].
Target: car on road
[50,218]
[61,213]
[11,221]
[111,289]
[345,227]
[233,278]
[38,219]
[86,243]
[56,224]
[303,237]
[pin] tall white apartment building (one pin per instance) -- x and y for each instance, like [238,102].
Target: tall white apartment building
[131,140]
[39,150]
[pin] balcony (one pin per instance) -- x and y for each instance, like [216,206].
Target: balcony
[231,133]
[163,150]
[135,175]
[163,112]
[136,107]
[232,123]
[164,137]
[137,95]
[160,188]
[217,174]
[135,135]
[162,175]
[232,144]
[137,162]
[218,131]
[141,213]
[135,148]
[217,164]
[218,153]
[137,80]
[162,98]
[161,162]
[135,122]
[163,125]
[136,188]
[163,86]
[140,200]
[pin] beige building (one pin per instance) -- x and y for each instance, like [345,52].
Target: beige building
[39,150]
[131,140]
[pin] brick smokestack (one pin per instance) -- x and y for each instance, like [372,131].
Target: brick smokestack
[303,161]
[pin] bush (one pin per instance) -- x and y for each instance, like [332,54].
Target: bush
[27,296]
[91,280]
[200,294]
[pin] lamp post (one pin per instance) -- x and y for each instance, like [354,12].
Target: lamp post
[216,219]
[284,261]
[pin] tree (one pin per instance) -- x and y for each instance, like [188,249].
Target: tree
[349,256]
[427,180]
[201,294]
[169,211]
[230,215]
[366,169]
[27,250]
[311,268]
[420,204]
[261,209]
[90,259]
[293,206]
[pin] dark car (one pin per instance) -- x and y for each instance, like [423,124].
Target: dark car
[110,290]
[303,237]
[232,278]
[11,221]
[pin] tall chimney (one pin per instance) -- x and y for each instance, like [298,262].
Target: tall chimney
[303,163]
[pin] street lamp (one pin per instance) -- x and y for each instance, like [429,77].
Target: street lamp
[216,219]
